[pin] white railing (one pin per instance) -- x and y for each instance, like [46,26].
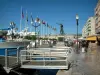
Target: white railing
[11,57]
[45,58]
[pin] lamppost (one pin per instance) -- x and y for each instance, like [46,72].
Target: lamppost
[12,26]
[36,24]
[77,19]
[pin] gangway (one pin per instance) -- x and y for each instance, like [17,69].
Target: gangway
[46,58]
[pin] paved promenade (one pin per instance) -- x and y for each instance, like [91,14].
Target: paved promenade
[86,64]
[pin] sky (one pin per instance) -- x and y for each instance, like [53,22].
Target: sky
[51,11]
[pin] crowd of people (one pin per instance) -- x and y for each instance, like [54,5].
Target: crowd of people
[82,44]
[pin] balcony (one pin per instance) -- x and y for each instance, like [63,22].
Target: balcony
[89,30]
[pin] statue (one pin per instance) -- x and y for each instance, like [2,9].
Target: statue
[61,29]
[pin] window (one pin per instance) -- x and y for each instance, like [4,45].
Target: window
[89,29]
[96,24]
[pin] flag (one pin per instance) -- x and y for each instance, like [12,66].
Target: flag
[43,22]
[37,20]
[55,29]
[31,19]
[51,27]
[22,14]
[26,17]
[48,26]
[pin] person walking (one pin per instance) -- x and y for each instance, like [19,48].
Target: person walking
[83,46]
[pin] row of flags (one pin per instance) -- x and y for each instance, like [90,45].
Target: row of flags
[36,20]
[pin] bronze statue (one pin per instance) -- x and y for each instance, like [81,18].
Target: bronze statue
[61,29]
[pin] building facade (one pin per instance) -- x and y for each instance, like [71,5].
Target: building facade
[84,31]
[89,27]
[97,19]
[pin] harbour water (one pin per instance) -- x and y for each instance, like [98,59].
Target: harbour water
[2,51]
[13,50]
[48,71]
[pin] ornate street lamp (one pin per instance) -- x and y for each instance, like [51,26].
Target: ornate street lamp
[36,24]
[77,19]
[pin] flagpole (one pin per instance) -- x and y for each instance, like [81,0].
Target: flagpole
[41,30]
[25,23]
[56,32]
[21,20]
[52,31]
[30,28]
[48,32]
[26,20]
[45,31]
[30,24]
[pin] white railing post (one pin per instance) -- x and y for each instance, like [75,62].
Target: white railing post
[21,58]
[66,58]
[18,55]
[44,58]
[30,56]
[6,58]
[50,54]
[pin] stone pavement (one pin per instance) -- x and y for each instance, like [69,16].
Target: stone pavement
[85,64]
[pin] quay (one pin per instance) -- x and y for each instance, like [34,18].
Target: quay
[84,63]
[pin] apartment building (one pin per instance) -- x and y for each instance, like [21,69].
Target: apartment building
[84,31]
[97,18]
[89,27]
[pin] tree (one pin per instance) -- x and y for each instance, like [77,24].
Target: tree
[33,37]
[60,38]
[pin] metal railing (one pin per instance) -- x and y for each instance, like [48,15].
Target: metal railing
[11,57]
[45,58]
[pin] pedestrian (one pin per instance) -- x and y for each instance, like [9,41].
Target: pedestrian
[83,46]
[86,46]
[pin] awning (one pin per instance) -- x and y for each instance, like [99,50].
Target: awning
[91,38]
